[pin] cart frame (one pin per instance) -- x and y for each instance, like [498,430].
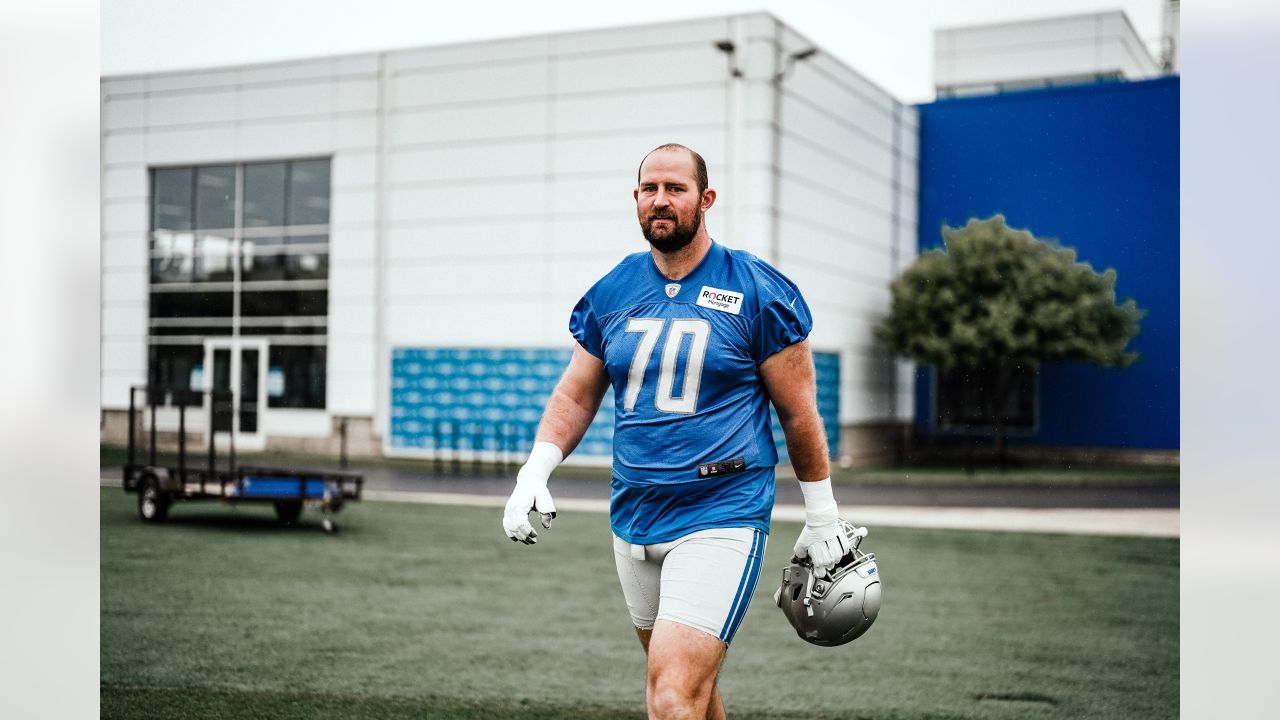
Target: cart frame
[159,484]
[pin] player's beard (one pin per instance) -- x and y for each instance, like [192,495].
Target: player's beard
[680,235]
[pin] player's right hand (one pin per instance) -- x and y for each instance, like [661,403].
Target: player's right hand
[525,497]
[531,493]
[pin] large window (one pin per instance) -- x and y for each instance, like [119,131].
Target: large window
[240,250]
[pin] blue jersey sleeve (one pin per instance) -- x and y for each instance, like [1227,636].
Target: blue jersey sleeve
[585,328]
[782,322]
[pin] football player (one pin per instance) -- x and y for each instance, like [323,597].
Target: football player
[696,340]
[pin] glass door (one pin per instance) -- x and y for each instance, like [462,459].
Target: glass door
[237,366]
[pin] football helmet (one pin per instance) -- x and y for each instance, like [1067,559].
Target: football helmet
[838,608]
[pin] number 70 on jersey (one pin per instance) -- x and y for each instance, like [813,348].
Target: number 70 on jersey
[650,330]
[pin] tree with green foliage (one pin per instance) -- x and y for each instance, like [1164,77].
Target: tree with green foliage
[995,302]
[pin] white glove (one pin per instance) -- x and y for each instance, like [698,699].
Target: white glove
[531,493]
[821,540]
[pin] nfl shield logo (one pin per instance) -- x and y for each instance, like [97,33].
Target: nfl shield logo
[673,289]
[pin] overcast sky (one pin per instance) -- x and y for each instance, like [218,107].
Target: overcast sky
[889,42]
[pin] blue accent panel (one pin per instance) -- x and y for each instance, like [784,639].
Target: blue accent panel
[1097,168]
[827,367]
[487,399]
[492,399]
[264,487]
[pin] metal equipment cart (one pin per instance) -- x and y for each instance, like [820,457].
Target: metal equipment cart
[164,478]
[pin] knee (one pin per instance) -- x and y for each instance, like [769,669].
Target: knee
[671,696]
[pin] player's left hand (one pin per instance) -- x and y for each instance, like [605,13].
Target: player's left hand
[823,544]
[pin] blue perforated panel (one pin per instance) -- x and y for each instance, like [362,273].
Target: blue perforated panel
[492,399]
[827,367]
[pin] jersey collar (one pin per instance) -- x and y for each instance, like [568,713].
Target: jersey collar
[709,260]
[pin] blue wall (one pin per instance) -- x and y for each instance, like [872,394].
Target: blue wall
[1096,167]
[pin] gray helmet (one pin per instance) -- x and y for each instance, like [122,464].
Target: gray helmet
[833,610]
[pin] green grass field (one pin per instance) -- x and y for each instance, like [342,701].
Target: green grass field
[418,611]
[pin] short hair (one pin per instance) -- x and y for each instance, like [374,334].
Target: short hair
[699,165]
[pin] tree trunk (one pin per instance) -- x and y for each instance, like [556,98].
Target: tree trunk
[1000,397]
[1002,455]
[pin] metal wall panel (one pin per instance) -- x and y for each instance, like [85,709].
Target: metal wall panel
[124,319]
[430,59]
[610,232]
[127,216]
[513,119]
[191,80]
[643,37]
[188,146]
[473,83]
[450,321]
[621,153]
[678,107]
[209,106]
[124,250]
[355,170]
[490,278]
[1041,49]
[352,244]
[125,183]
[352,208]
[501,198]
[293,71]
[848,215]
[124,113]
[654,69]
[294,138]
[124,85]
[124,356]
[352,280]
[436,247]
[124,148]
[294,99]
[470,161]
[856,146]
[355,132]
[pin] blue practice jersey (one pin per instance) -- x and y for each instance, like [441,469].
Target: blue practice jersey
[692,448]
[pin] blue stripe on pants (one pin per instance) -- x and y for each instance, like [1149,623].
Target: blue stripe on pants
[746,586]
[751,590]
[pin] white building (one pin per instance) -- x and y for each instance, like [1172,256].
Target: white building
[289,230]
[1093,47]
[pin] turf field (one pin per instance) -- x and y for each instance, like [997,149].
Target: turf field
[417,611]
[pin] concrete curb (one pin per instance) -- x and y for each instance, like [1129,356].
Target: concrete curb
[1108,522]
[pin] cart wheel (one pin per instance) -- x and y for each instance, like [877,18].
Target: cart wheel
[153,505]
[288,511]
[329,526]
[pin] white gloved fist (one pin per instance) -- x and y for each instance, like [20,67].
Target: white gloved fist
[531,493]
[821,540]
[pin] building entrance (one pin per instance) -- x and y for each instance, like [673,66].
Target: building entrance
[238,366]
